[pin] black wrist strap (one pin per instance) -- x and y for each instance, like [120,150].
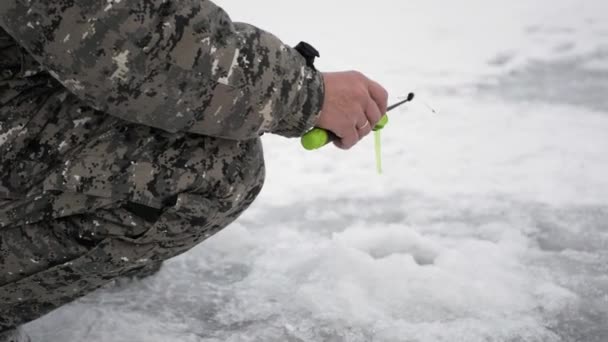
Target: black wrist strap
[309,53]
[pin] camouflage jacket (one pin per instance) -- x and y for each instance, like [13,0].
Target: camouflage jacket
[93,90]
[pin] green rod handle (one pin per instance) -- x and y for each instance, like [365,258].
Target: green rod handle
[318,137]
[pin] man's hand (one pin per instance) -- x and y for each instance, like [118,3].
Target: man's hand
[353,105]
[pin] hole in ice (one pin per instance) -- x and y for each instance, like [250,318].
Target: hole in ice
[396,240]
[421,255]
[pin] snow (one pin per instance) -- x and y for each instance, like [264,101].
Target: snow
[489,224]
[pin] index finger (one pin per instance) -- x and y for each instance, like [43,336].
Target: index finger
[379,95]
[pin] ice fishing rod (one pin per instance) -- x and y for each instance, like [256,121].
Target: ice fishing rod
[319,137]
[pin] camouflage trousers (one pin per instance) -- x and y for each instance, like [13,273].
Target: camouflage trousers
[48,261]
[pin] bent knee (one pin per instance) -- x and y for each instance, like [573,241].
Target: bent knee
[235,178]
[232,179]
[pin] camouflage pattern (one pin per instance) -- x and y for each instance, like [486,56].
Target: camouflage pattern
[14,335]
[129,133]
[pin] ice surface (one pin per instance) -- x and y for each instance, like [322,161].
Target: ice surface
[489,224]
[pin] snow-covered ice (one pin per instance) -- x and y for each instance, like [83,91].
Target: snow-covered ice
[489,224]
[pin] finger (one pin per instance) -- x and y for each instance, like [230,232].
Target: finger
[364,130]
[350,139]
[372,113]
[379,94]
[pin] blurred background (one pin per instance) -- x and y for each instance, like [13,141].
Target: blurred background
[490,222]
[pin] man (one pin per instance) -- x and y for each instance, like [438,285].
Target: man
[129,133]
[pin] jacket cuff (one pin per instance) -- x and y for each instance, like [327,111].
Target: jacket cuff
[308,107]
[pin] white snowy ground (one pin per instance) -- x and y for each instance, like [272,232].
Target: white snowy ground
[489,224]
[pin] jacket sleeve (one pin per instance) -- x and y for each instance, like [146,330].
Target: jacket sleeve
[177,65]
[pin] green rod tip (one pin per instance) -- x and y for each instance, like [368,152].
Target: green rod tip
[383,122]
